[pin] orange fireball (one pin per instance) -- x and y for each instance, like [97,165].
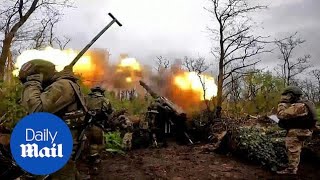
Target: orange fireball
[202,85]
[128,72]
[91,66]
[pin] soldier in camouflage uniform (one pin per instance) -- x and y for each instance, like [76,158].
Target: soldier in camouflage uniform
[97,102]
[125,126]
[45,90]
[148,126]
[298,117]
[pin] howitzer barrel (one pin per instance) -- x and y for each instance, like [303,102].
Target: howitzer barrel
[148,89]
[175,108]
[164,101]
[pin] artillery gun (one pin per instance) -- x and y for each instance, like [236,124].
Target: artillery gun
[172,118]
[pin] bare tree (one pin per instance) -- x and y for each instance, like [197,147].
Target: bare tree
[199,66]
[45,35]
[291,67]
[309,89]
[235,41]
[62,43]
[162,64]
[19,20]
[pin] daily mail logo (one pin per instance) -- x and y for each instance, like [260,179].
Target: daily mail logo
[41,143]
[32,150]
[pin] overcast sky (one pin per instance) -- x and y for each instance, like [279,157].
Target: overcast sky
[176,28]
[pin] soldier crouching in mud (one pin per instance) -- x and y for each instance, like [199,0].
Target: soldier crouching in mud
[45,90]
[298,116]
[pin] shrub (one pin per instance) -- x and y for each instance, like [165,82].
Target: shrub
[113,142]
[10,109]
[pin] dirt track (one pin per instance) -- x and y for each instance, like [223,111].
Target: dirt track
[183,162]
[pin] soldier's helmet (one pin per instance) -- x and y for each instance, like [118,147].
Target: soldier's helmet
[97,89]
[37,66]
[292,89]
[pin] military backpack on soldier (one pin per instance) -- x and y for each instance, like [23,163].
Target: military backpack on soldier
[303,119]
[295,113]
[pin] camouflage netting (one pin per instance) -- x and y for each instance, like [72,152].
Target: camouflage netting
[262,143]
[258,146]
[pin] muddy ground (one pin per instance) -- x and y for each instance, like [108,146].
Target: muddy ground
[190,162]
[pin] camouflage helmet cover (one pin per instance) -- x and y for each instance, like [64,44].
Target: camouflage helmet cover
[97,89]
[292,89]
[37,66]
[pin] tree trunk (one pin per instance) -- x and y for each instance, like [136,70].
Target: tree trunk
[4,54]
[9,37]
[9,70]
[221,75]
[219,95]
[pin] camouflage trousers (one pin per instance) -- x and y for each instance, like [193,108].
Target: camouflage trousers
[95,140]
[294,143]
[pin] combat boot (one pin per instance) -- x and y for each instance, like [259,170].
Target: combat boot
[288,171]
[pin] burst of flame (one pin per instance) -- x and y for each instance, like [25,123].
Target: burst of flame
[191,81]
[129,79]
[61,58]
[131,63]
[128,71]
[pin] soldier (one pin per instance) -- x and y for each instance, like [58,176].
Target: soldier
[97,102]
[125,126]
[45,90]
[163,122]
[148,126]
[158,117]
[299,118]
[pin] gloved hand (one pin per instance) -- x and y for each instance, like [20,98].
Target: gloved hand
[68,68]
[67,71]
[26,70]
[35,77]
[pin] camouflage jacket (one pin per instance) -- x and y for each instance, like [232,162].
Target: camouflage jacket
[97,102]
[60,97]
[299,115]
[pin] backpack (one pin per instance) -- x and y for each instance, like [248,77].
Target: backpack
[305,117]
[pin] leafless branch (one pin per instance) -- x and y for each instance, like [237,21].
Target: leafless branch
[234,34]
[162,63]
[199,66]
[291,68]
[17,24]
